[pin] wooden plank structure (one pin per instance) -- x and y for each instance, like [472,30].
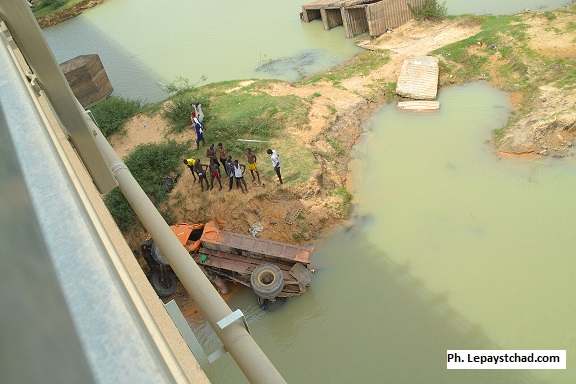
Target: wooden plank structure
[87,78]
[360,16]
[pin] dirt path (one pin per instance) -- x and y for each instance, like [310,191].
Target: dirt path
[144,129]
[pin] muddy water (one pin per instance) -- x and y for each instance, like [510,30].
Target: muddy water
[144,43]
[453,249]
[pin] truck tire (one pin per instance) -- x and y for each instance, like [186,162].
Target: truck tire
[156,255]
[267,281]
[163,283]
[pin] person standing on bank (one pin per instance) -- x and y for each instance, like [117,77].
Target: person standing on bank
[214,173]
[275,157]
[190,164]
[201,172]
[199,128]
[211,153]
[221,153]
[251,157]
[229,168]
[239,170]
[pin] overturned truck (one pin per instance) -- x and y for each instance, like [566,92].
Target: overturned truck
[271,269]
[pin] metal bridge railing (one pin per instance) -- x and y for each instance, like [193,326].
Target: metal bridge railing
[108,170]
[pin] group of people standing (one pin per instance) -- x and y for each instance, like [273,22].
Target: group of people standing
[218,156]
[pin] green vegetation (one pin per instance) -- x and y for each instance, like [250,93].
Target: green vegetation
[299,162]
[550,16]
[149,163]
[245,113]
[47,7]
[430,10]
[360,65]
[336,145]
[382,89]
[346,197]
[112,113]
[501,36]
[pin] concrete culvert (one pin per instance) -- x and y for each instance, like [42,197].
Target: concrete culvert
[267,281]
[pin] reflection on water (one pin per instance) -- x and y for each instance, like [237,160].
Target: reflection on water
[452,249]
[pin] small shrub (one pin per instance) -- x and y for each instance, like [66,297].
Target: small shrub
[53,4]
[346,197]
[550,15]
[112,113]
[429,10]
[336,145]
[149,163]
[46,7]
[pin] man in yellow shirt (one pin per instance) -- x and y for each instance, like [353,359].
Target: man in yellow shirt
[190,164]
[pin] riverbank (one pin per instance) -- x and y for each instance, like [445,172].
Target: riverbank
[315,137]
[315,149]
[50,15]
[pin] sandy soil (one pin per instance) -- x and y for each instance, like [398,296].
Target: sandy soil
[553,39]
[143,129]
[549,126]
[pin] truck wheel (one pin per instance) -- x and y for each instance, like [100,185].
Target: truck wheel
[164,283]
[156,255]
[267,281]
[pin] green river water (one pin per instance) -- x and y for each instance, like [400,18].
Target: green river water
[450,248]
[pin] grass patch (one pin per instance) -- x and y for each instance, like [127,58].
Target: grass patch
[550,15]
[503,37]
[47,7]
[430,10]
[247,113]
[149,163]
[346,200]
[112,113]
[498,133]
[336,145]
[360,65]
[298,162]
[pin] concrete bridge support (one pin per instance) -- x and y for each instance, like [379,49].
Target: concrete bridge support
[354,20]
[331,17]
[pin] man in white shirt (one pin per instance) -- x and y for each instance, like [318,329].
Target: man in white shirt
[275,157]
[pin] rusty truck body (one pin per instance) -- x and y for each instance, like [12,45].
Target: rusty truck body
[271,269]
